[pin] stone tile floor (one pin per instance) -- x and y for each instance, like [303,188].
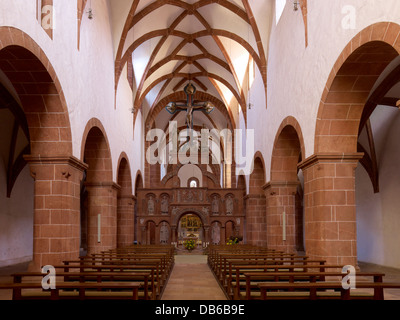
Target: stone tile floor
[191,279]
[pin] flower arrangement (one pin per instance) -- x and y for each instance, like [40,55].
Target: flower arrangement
[234,240]
[190,244]
[231,242]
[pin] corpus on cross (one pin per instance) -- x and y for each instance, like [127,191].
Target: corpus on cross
[190,106]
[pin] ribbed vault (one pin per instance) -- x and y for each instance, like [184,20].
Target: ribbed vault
[213,44]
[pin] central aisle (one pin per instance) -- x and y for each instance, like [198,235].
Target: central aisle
[191,279]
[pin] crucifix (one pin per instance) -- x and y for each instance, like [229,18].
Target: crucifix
[189,106]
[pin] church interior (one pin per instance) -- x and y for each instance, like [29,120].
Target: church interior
[258,130]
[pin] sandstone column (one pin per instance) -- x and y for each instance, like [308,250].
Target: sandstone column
[56,234]
[330,208]
[280,217]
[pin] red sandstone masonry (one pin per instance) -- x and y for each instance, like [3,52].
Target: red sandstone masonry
[330,219]
[282,190]
[256,206]
[57,216]
[125,204]
[57,175]
[350,83]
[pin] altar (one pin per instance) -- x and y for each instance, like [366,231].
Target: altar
[190,228]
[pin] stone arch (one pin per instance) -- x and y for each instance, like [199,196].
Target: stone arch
[40,93]
[288,151]
[257,177]
[281,191]
[256,204]
[102,191]
[349,86]
[95,123]
[138,185]
[96,153]
[123,173]
[346,104]
[230,229]
[138,181]
[41,106]
[125,203]
[182,212]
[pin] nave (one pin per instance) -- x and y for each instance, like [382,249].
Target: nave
[148,272]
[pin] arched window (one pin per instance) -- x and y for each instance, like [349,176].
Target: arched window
[193,183]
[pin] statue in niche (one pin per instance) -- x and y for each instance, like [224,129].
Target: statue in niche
[229,205]
[215,205]
[175,211]
[164,233]
[164,205]
[215,233]
[150,206]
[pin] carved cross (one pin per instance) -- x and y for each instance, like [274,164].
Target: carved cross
[190,106]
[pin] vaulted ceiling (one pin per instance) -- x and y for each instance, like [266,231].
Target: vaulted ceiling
[214,44]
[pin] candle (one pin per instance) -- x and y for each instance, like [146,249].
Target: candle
[99,228]
[284,226]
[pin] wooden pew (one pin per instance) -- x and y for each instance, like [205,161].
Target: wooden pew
[143,278]
[220,266]
[152,268]
[215,251]
[160,274]
[226,269]
[147,267]
[74,291]
[236,268]
[254,279]
[236,272]
[320,290]
[166,263]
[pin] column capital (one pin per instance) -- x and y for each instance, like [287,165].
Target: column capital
[109,184]
[253,196]
[45,160]
[128,197]
[330,158]
[280,184]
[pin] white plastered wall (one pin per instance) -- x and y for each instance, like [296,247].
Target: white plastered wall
[16,219]
[378,217]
